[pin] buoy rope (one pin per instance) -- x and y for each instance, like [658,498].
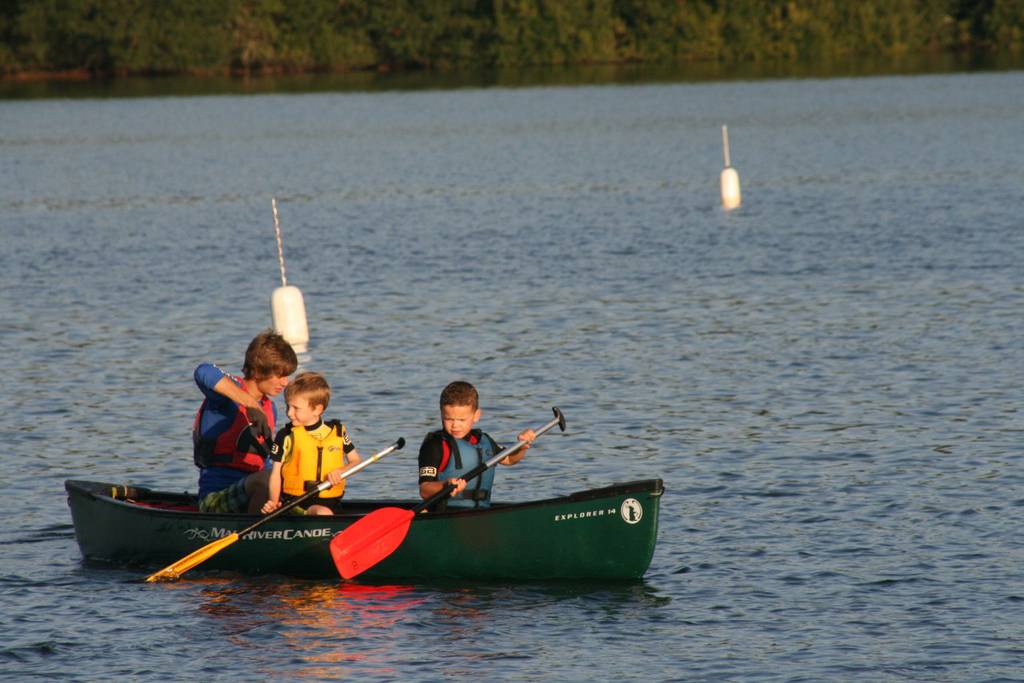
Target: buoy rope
[725,144]
[280,250]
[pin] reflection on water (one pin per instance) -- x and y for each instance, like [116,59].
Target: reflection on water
[323,628]
[319,626]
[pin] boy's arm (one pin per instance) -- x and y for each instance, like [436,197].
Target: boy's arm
[282,447]
[334,476]
[227,387]
[274,495]
[211,378]
[430,465]
[512,458]
[351,456]
[430,488]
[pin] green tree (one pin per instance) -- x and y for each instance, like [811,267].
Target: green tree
[173,36]
[1003,26]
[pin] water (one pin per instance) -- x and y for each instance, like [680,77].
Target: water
[828,379]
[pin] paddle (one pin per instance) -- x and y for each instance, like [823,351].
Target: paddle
[379,533]
[207,551]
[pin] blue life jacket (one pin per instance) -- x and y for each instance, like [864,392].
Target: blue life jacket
[465,457]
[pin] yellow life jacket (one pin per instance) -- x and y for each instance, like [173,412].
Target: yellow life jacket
[311,458]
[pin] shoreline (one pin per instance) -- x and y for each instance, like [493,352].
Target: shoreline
[84,83]
[839,64]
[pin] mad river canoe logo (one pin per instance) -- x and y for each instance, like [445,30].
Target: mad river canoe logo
[278,535]
[631,512]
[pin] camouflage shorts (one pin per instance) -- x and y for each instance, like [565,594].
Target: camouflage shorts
[232,499]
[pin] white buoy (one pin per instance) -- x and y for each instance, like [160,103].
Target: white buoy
[730,178]
[287,309]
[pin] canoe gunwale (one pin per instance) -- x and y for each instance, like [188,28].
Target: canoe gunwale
[131,497]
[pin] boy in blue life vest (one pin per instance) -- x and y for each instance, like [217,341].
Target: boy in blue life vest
[310,449]
[235,424]
[450,452]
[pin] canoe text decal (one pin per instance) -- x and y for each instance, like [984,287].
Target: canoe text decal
[279,535]
[584,515]
[631,510]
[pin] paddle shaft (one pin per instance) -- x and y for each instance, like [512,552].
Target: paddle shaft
[324,485]
[484,466]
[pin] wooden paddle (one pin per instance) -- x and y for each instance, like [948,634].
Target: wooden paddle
[207,551]
[379,533]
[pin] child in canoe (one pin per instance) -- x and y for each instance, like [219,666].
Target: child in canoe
[456,448]
[310,449]
[235,421]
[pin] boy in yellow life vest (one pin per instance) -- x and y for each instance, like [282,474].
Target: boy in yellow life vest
[310,449]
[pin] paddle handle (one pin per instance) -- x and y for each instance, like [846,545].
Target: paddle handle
[325,484]
[446,491]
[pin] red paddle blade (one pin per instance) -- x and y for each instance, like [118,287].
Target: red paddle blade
[370,540]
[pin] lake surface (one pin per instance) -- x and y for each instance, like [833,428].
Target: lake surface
[828,379]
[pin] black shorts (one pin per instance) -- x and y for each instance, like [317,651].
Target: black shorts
[332,504]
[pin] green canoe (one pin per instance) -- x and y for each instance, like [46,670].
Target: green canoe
[606,533]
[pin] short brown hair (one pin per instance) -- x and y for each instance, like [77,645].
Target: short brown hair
[269,355]
[460,394]
[311,386]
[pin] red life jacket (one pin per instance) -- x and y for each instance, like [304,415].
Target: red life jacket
[234,447]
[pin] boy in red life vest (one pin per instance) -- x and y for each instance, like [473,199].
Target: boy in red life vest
[310,449]
[235,425]
[454,450]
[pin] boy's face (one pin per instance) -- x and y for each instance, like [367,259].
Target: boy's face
[273,385]
[458,420]
[301,413]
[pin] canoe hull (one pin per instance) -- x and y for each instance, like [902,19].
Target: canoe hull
[601,534]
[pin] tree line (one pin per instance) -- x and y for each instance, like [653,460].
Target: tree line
[123,37]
